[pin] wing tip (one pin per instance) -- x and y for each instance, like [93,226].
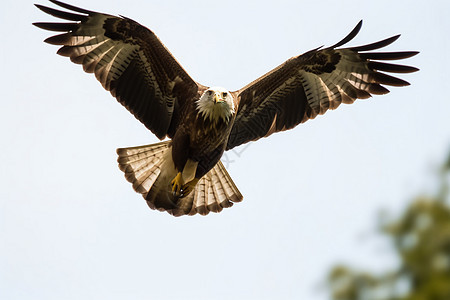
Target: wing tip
[71,7]
[388,55]
[65,14]
[392,68]
[41,7]
[382,78]
[376,45]
[349,36]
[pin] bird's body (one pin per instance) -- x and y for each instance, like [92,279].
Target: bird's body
[184,175]
[212,124]
[188,143]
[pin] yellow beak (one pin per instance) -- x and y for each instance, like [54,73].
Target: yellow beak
[217,98]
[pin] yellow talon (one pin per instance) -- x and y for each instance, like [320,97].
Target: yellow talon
[177,184]
[189,187]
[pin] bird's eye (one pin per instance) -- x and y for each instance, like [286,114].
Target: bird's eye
[210,92]
[224,94]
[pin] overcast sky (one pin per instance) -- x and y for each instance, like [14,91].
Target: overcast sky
[71,226]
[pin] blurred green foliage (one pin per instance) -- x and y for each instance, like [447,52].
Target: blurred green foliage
[421,238]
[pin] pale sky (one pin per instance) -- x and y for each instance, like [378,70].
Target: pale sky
[71,226]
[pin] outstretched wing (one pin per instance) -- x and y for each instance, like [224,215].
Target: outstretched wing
[129,61]
[308,85]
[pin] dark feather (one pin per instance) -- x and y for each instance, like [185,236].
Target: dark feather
[73,8]
[376,45]
[379,66]
[57,26]
[349,37]
[62,14]
[389,80]
[377,89]
[66,51]
[60,39]
[388,55]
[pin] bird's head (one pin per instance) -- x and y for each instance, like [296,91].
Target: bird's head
[215,104]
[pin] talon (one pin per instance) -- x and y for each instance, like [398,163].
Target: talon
[177,184]
[189,187]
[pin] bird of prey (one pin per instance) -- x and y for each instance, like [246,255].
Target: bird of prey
[183,175]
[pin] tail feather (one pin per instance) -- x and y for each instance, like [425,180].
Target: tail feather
[150,169]
[214,192]
[142,165]
[149,178]
[136,158]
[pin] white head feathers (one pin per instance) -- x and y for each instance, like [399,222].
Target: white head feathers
[216,103]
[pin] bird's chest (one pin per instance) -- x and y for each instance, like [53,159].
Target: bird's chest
[207,136]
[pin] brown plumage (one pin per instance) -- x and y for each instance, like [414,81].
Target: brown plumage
[184,176]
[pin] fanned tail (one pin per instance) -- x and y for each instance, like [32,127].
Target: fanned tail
[150,169]
[214,192]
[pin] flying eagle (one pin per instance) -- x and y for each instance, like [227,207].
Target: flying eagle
[184,175]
